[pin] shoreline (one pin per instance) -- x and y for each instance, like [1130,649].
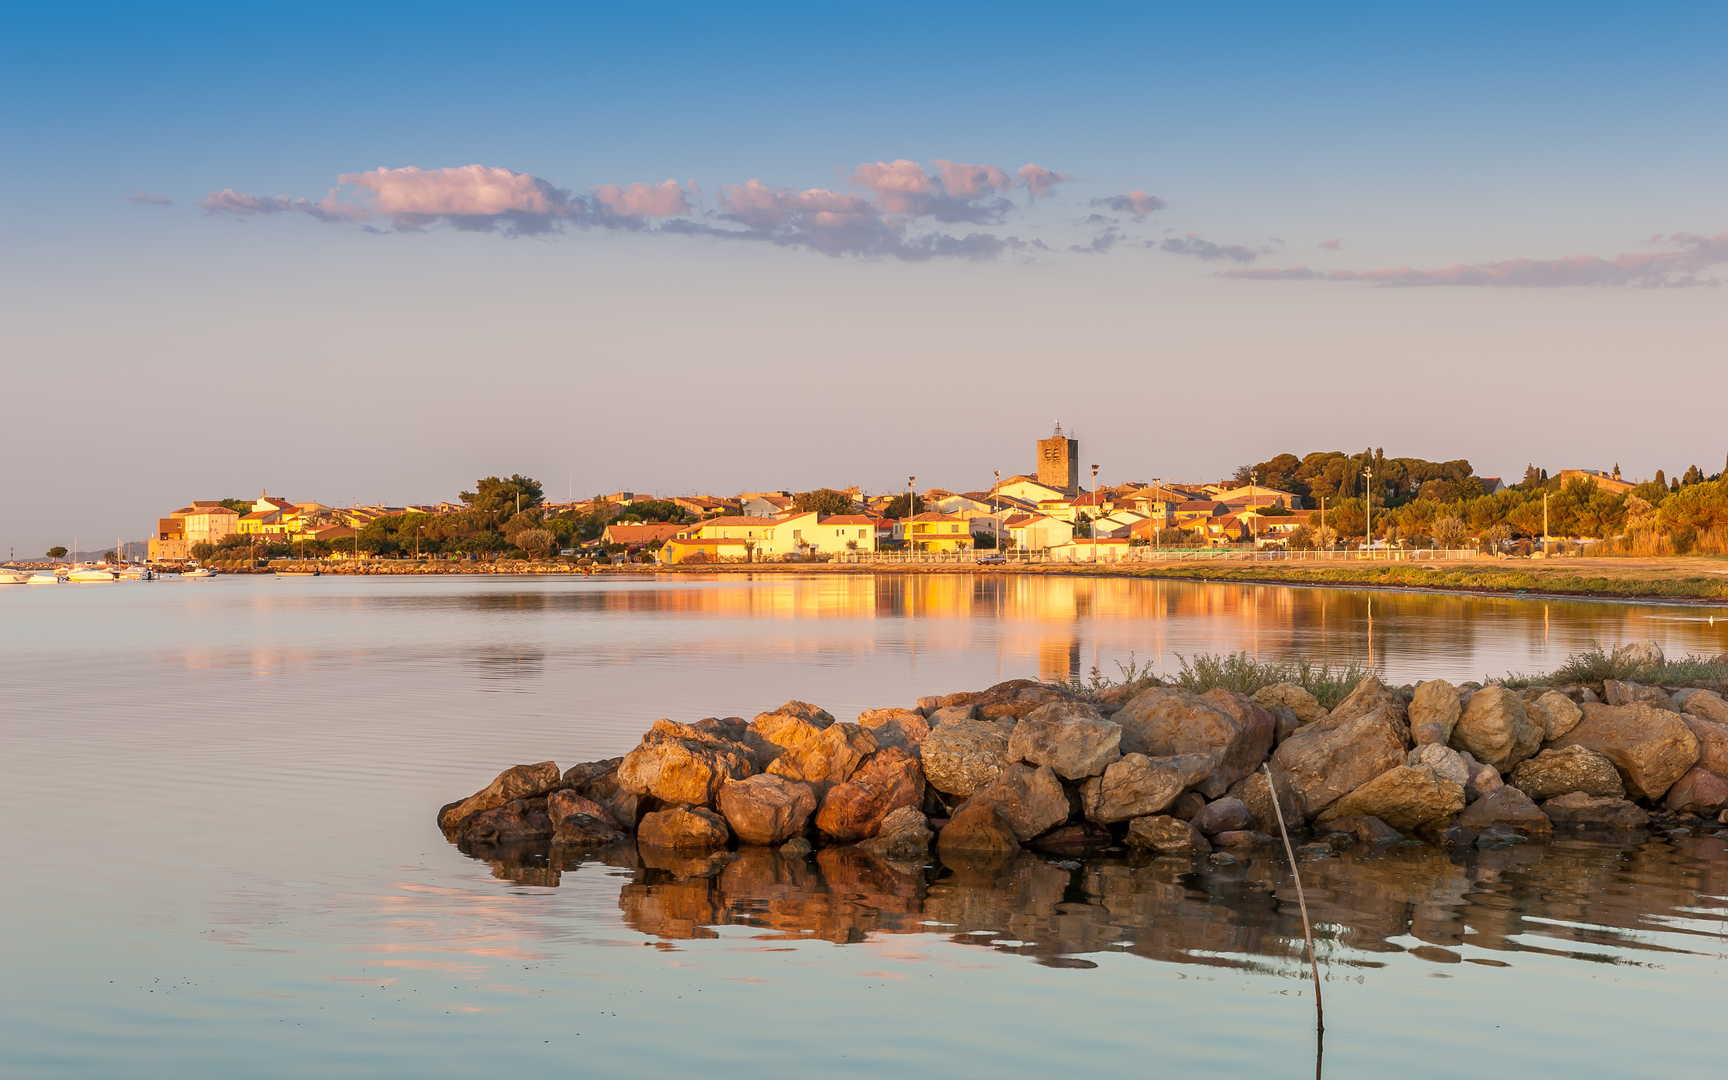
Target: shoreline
[1684,582]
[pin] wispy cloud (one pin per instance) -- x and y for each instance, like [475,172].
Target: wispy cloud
[955,193]
[145,198]
[1199,247]
[1332,245]
[1692,254]
[1040,181]
[1137,203]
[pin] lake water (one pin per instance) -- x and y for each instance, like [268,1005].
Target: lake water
[222,859]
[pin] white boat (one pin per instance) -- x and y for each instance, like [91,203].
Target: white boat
[43,577]
[198,574]
[91,573]
[13,577]
[137,573]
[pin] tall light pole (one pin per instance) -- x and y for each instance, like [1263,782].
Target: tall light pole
[1544,521]
[1368,497]
[1097,508]
[1253,497]
[911,508]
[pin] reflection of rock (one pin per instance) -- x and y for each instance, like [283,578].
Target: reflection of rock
[977,829]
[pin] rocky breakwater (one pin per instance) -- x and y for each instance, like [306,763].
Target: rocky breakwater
[1150,768]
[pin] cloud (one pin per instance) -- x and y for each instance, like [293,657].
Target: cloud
[1137,203]
[1199,247]
[1038,180]
[838,224]
[239,204]
[1693,254]
[145,198]
[665,199]
[957,193]
[1332,245]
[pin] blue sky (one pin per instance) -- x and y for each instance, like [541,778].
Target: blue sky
[1325,158]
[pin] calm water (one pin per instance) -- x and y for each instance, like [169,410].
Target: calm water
[222,859]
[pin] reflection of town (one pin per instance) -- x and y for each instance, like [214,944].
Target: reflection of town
[1578,899]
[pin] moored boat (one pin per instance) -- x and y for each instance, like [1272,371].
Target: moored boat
[91,573]
[298,573]
[198,574]
[13,577]
[43,577]
[137,573]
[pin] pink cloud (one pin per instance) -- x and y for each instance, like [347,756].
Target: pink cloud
[470,190]
[969,181]
[145,198]
[1655,269]
[755,203]
[665,199]
[1138,203]
[1039,180]
[900,186]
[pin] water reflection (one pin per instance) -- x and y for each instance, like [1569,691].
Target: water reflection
[1587,901]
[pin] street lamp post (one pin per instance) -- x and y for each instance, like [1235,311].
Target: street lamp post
[1368,499]
[1097,508]
[1544,522]
[911,508]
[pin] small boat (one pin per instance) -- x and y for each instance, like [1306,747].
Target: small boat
[298,573]
[198,574]
[137,573]
[43,577]
[13,577]
[91,573]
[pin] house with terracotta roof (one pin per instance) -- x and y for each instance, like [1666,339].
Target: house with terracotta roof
[686,549]
[932,531]
[1029,489]
[1036,532]
[636,536]
[1083,549]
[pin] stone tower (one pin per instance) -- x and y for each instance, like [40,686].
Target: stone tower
[1059,462]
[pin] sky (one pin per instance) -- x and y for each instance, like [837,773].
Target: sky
[369,253]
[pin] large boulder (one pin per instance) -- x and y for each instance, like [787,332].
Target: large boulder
[1370,695]
[830,758]
[1556,712]
[1138,785]
[516,782]
[1483,779]
[1434,712]
[1005,701]
[1572,768]
[1031,800]
[1712,741]
[1166,835]
[1327,760]
[1640,654]
[895,727]
[1496,728]
[598,781]
[677,763]
[1166,722]
[1615,692]
[1580,811]
[1650,747]
[1069,736]
[1256,792]
[566,802]
[1707,705]
[1405,797]
[683,828]
[886,781]
[1507,808]
[977,830]
[1699,791]
[904,836]
[791,726]
[585,831]
[1292,697]
[765,808]
[961,757]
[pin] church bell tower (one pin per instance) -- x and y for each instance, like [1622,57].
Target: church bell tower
[1059,462]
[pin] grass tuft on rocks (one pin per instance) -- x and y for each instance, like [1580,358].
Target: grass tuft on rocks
[1597,665]
[1246,674]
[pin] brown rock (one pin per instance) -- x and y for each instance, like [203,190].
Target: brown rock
[1138,785]
[1406,797]
[1367,830]
[683,828]
[604,787]
[566,801]
[1707,705]
[676,763]
[1572,768]
[1069,736]
[516,782]
[1557,714]
[1031,801]
[765,808]
[894,727]
[1507,808]
[1292,697]
[1187,805]
[828,759]
[1166,835]
[1434,712]
[1712,741]
[1325,761]
[517,821]
[1222,816]
[1484,779]
[904,836]
[953,714]
[1581,811]
[1444,760]
[1650,747]
[1699,791]
[1615,692]
[585,831]
[1496,728]
[963,756]
[977,830]
[888,780]
[1256,792]
[1244,838]
[1370,696]
[786,731]
[1166,722]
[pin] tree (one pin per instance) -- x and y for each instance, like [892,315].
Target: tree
[239,506]
[1449,532]
[535,543]
[897,507]
[655,510]
[200,551]
[497,499]
[56,552]
[823,501]
[1693,475]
